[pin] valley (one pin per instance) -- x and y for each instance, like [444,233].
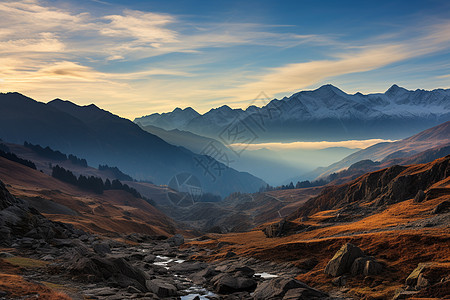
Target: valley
[280,244]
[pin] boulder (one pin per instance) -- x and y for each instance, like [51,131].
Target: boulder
[188,267]
[366,265]
[116,270]
[404,295]
[101,248]
[442,207]
[161,288]
[420,196]
[227,284]
[149,258]
[201,277]
[304,294]
[277,288]
[6,255]
[176,240]
[339,281]
[241,271]
[343,259]
[372,267]
[283,228]
[307,263]
[428,274]
[411,280]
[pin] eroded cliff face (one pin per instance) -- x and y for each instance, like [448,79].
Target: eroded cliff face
[383,187]
[18,220]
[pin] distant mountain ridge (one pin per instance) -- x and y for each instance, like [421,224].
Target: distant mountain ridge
[104,138]
[431,138]
[324,113]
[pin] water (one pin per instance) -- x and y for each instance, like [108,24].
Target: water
[164,261]
[194,290]
[266,275]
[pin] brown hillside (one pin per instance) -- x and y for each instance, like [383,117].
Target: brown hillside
[109,213]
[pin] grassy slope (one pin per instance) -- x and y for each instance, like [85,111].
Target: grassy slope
[109,213]
[382,235]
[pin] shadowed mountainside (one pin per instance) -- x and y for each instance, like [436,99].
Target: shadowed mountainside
[103,138]
[437,136]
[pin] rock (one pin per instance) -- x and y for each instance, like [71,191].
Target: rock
[241,271]
[161,287]
[411,280]
[277,288]
[48,257]
[404,295]
[5,255]
[358,266]
[149,258]
[442,207]
[200,278]
[59,243]
[304,294]
[188,267]
[372,267]
[420,196]
[307,263]
[422,282]
[131,289]
[343,260]
[366,265]
[226,284]
[130,271]
[101,248]
[283,228]
[339,281]
[103,291]
[230,254]
[176,240]
[428,274]
[116,270]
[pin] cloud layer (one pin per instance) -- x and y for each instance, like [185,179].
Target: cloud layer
[351,144]
[136,62]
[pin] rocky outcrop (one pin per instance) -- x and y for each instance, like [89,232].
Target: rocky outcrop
[383,187]
[285,288]
[427,280]
[18,221]
[283,228]
[427,274]
[161,288]
[351,259]
[176,240]
[366,265]
[442,207]
[343,259]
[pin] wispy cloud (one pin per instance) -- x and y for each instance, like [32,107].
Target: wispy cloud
[46,49]
[123,59]
[294,76]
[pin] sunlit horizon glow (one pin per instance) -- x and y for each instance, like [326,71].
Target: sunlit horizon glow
[135,58]
[351,144]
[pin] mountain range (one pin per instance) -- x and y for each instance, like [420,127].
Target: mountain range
[104,138]
[435,137]
[326,113]
[274,167]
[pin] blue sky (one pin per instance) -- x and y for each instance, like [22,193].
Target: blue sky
[138,57]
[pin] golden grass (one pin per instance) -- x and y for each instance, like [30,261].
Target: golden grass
[24,262]
[17,287]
